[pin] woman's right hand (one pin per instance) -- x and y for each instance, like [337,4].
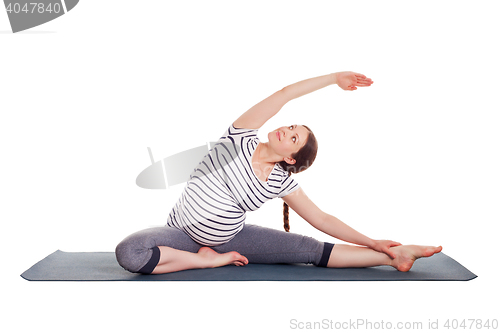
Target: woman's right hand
[350,80]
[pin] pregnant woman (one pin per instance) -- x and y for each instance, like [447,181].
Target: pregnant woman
[207,226]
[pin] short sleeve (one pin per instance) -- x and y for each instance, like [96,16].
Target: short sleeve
[238,133]
[289,185]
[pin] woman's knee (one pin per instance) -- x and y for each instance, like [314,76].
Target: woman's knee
[133,255]
[139,252]
[123,256]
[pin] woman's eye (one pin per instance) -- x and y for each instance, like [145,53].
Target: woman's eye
[294,139]
[291,127]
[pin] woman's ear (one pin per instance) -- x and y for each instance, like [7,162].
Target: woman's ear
[289,160]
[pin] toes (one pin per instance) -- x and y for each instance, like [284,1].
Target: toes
[237,259]
[428,252]
[242,260]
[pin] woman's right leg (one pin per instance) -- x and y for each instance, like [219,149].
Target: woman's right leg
[165,249]
[173,260]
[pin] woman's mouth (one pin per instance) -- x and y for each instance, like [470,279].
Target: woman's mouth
[278,135]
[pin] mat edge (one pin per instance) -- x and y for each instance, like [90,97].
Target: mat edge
[39,261]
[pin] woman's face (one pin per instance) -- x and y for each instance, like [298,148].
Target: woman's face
[288,140]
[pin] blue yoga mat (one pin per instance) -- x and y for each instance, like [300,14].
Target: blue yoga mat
[102,266]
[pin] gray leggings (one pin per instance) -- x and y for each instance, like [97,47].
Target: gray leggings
[139,253]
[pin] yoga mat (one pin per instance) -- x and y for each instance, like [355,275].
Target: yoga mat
[102,266]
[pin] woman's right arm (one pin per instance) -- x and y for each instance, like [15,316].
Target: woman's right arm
[260,113]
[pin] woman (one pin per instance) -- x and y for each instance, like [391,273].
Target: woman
[206,228]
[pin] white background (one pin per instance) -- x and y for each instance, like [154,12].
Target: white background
[414,158]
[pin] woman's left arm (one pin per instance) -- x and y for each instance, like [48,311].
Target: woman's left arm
[331,225]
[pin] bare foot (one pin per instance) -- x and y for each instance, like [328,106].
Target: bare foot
[215,259]
[407,254]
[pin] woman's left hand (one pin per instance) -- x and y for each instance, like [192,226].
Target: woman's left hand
[384,246]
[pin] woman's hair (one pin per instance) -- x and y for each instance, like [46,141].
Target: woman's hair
[304,158]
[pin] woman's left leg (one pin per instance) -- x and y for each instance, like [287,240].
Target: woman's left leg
[262,245]
[357,256]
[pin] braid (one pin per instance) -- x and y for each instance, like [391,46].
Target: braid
[286,225]
[303,160]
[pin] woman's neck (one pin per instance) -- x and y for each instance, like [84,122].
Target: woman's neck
[264,154]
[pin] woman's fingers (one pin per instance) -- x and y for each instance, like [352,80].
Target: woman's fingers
[361,80]
[350,80]
[390,254]
[364,83]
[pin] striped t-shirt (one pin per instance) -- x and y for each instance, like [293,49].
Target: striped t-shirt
[223,187]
